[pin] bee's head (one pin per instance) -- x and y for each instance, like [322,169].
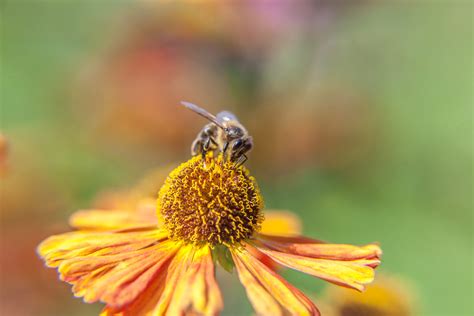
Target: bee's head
[240,147]
[234,132]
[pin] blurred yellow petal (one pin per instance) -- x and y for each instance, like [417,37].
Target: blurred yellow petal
[143,215]
[388,295]
[281,223]
[150,184]
[345,265]
[269,293]
[127,199]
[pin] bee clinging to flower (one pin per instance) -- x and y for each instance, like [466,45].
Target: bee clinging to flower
[209,212]
[225,133]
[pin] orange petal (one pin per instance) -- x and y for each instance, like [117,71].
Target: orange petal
[269,293]
[278,223]
[345,265]
[262,301]
[175,288]
[266,260]
[206,296]
[194,287]
[56,249]
[145,303]
[189,288]
[290,239]
[113,267]
[317,249]
[281,223]
[143,215]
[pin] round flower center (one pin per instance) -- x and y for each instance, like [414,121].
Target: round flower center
[210,201]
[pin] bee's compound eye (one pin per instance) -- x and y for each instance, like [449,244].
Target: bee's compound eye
[248,146]
[238,143]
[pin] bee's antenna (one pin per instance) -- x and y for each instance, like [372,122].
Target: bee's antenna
[200,111]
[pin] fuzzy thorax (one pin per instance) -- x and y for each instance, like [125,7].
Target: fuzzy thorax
[210,201]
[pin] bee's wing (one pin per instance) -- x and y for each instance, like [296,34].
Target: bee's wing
[198,110]
[226,116]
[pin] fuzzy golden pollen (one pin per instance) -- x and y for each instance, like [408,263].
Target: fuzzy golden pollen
[210,201]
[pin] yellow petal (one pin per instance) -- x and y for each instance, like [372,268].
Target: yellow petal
[281,223]
[267,291]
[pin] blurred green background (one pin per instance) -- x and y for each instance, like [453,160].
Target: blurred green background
[361,112]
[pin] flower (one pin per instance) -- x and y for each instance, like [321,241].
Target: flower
[3,155]
[387,296]
[209,211]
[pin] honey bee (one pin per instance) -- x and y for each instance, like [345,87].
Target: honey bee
[224,133]
[206,140]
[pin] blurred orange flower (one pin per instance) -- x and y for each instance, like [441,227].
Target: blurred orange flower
[208,211]
[214,52]
[3,154]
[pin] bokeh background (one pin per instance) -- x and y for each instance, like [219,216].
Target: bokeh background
[361,113]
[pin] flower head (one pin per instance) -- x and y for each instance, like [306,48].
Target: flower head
[210,203]
[209,210]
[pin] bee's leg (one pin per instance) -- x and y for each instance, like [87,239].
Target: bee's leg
[206,145]
[211,140]
[215,146]
[202,150]
[242,159]
[225,153]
